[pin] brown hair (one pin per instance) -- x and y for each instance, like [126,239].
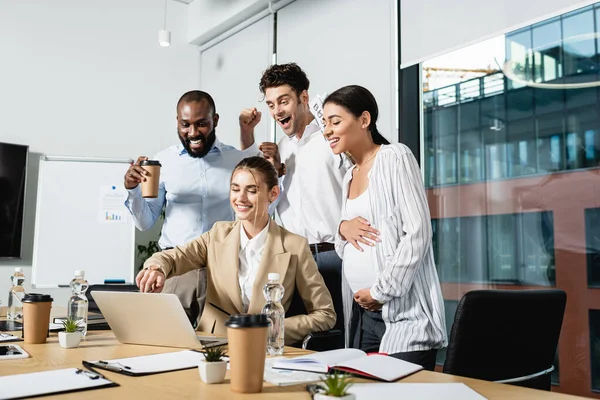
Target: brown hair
[284,74]
[263,167]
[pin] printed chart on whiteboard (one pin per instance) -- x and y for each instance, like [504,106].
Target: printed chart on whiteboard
[112,204]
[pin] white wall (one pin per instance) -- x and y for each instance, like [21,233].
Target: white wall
[87,78]
[209,18]
[235,88]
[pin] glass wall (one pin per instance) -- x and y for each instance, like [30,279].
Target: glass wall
[512,170]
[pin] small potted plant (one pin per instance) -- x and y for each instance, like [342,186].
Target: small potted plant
[213,368]
[334,387]
[69,337]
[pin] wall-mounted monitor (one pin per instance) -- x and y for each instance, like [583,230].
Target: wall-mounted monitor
[13,176]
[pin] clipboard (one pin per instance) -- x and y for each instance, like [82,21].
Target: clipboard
[150,365]
[58,381]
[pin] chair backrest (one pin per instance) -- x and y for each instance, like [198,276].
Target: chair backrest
[92,306]
[505,334]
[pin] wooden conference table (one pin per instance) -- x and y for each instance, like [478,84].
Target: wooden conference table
[186,384]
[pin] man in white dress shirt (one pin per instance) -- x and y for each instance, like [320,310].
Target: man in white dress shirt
[310,174]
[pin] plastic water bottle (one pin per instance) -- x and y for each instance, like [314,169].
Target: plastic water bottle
[273,292]
[77,308]
[15,295]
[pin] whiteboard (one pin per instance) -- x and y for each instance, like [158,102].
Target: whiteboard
[81,222]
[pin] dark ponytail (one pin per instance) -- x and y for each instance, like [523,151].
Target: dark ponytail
[356,99]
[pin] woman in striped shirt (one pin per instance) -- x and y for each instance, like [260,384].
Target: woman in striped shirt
[392,295]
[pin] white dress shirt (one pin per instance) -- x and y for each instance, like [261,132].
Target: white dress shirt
[250,255]
[311,199]
[193,191]
[407,281]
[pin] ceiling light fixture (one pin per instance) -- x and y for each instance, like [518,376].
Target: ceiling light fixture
[164,36]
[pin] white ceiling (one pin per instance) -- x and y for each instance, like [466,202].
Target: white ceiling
[184,1]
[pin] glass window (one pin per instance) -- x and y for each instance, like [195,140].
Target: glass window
[519,103]
[547,54]
[521,149]
[445,245]
[471,157]
[582,138]
[579,46]
[535,255]
[518,45]
[592,245]
[512,173]
[446,146]
[550,143]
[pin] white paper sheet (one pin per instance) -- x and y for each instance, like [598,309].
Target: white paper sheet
[112,204]
[6,337]
[46,382]
[282,377]
[421,391]
[158,362]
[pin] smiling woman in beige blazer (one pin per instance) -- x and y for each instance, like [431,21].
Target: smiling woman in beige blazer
[236,257]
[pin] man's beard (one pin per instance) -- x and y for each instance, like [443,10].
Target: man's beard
[207,143]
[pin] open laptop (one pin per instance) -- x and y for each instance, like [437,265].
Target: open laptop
[153,319]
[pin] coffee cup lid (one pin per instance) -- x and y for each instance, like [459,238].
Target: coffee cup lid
[37,298]
[150,162]
[248,321]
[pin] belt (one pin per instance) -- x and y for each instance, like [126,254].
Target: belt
[321,247]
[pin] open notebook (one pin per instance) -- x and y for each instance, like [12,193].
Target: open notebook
[51,382]
[351,360]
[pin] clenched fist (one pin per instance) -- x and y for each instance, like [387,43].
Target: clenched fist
[249,118]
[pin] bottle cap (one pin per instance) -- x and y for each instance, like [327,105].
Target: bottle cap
[79,272]
[273,276]
[18,269]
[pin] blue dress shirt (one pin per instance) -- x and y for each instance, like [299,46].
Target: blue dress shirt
[196,192]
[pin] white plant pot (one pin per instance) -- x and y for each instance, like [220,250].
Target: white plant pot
[212,372]
[321,396]
[69,340]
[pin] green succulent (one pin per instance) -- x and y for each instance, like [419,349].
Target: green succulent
[214,354]
[336,384]
[70,325]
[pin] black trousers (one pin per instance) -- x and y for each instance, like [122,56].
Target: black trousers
[370,330]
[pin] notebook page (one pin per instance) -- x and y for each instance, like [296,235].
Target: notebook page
[382,367]
[159,362]
[421,391]
[322,360]
[38,383]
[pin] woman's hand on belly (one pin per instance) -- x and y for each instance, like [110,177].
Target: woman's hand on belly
[364,299]
[359,230]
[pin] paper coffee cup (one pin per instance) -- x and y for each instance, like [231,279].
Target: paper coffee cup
[150,185]
[247,344]
[36,317]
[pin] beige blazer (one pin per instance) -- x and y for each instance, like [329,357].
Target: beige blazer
[218,252]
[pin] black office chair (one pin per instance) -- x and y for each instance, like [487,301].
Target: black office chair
[316,341]
[93,307]
[506,336]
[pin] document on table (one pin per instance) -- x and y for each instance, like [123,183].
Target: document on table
[152,364]
[282,377]
[51,382]
[421,391]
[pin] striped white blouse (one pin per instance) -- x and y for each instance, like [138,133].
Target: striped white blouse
[407,283]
